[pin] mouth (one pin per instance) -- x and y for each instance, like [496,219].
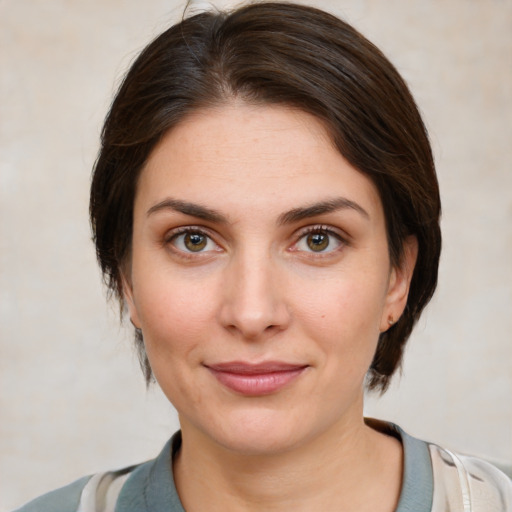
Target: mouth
[256,379]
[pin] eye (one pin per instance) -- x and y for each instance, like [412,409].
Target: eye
[192,241]
[318,240]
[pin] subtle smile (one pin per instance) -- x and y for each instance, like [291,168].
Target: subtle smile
[255,379]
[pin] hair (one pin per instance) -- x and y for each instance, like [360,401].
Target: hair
[276,53]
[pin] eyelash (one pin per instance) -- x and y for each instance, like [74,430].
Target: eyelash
[301,236]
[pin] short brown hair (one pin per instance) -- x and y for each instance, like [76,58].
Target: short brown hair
[286,54]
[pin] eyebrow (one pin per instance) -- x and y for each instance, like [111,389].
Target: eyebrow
[323,207]
[295,215]
[191,209]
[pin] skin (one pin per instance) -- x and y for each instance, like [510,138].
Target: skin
[255,288]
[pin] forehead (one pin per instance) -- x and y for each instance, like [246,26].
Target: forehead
[246,132]
[272,156]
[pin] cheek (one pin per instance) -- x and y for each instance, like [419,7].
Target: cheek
[343,305]
[343,317]
[174,322]
[173,313]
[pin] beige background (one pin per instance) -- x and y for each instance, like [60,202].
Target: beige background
[72,400]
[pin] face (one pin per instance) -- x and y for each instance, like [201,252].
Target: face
[260,278]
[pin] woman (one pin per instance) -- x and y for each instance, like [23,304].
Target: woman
[265,204]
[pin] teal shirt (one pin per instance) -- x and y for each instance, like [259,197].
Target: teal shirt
[150,486]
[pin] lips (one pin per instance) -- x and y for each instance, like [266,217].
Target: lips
[256,379]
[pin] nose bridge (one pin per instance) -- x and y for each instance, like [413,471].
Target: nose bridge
[253,302]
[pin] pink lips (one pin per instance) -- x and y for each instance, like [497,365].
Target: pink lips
[255,379]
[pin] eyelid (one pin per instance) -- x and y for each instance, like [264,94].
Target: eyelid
[173,232]
[322,228]
[188,228]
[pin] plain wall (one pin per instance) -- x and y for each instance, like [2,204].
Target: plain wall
[72,399]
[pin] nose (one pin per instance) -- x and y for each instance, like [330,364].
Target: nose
[253,303]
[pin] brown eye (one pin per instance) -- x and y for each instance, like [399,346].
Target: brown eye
[195,242]
[318,242]
[192,241]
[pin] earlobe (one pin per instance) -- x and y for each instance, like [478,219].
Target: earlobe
[399,283]
[130,302]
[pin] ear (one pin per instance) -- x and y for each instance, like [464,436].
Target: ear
[130,302]
[398,285]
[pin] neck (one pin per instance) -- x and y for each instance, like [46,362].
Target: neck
[350,468]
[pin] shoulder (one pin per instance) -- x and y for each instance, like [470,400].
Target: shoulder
[94,493]
[478,482]
[65,499]
[146,487]
[448,480]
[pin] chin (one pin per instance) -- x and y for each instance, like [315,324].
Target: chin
[259,442]
[259,432]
